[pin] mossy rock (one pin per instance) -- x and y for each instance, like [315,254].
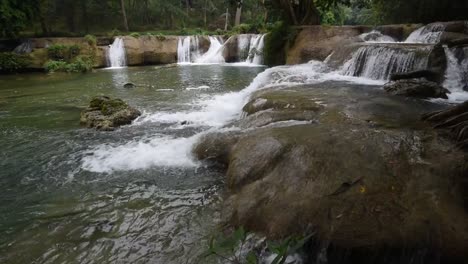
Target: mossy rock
[105,113]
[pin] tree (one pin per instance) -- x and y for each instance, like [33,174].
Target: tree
[15,15]
[124,15]
[238,12]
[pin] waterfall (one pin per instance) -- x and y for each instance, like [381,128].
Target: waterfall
[214,53]
[25,47]
[456,75]
[183,50]
[116,54]
[256,50]
[243,46]
[429,34]
[379,62]
[376,36]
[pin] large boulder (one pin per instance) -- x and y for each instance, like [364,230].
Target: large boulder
[317,42]
[419,88]
[106,114]
[359,175]
[427,74]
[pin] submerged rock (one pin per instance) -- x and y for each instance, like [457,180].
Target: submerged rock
[419,88]
[106,114]
[362,177]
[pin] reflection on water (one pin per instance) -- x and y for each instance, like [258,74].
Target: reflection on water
[119,76]
[54,210]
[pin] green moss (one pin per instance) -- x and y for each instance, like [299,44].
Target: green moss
[12,62]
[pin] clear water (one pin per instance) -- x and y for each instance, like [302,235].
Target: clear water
[57,208]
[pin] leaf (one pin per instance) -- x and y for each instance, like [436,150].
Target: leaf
[251,258]
[240,234]
[279,259]
[300,243]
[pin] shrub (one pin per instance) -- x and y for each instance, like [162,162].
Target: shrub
[277,42]
[12,62]
[79,64]
[242,29]
[219,31]
[82,64]
[183,32]
[54,66]
[135,34]
[63,52]
[92,41]
[114,33]
[57,52]
[160,36]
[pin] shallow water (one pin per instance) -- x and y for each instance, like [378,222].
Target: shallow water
[74,195]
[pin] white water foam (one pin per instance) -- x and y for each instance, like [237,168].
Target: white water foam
[214,53]
[142,154]
[456,76]
[376,36]
[213,113]
[429,34]
[116,56]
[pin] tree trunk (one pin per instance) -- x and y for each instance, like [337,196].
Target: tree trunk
[204,12]
[227,20]
[238,12]
[124,14]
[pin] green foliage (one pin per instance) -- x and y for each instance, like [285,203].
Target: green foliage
[242,29]
[276,43]
[12,62]
[15,15]
[54,66]
[160,36]
[79,64]
[92,41]
[225,247]
[63,52]
[135,35]
[114,33]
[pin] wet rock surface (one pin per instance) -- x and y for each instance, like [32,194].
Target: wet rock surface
[454,121]
[354,166]
[419,88]
[107,114]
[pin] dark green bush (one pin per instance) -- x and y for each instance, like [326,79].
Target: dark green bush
[54,66]
[12,62]
[279,38]
[79,64]
[62,52]
[242,29]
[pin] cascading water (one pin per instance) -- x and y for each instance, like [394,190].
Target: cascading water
[256,50]
[243,46]
[379,62]
[456,75]
[116,55]
[376,36]
[214,53]
[429,34]
[183,50]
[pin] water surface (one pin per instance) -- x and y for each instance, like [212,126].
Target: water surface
[135,195]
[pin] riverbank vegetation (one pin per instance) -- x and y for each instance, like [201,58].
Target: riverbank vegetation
[68,18]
